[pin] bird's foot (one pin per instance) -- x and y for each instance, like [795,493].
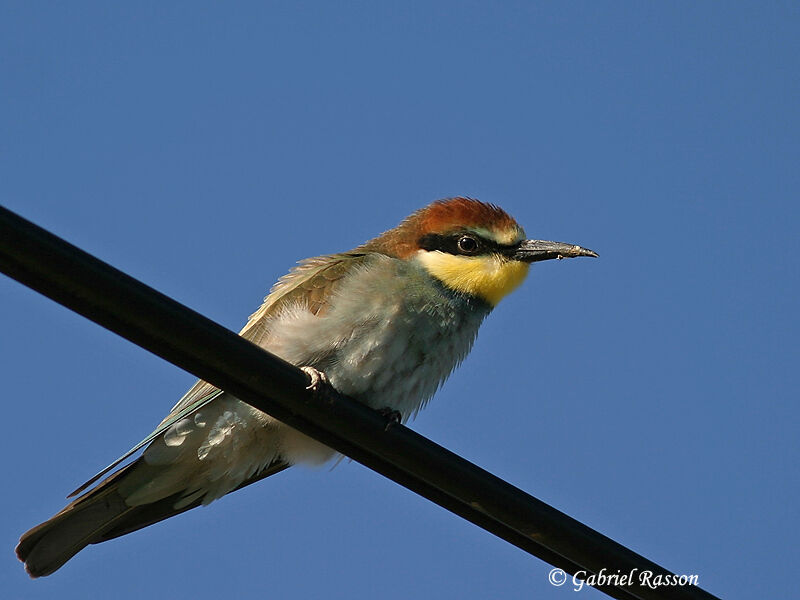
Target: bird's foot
[392,416]
[319,384]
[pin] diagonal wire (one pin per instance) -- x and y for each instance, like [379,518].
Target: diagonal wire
[215,354]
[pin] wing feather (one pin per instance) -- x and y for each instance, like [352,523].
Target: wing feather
[311,284]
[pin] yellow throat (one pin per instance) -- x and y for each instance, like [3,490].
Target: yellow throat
[489,277]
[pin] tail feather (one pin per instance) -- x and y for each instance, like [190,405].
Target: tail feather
[99,515]
[46,547]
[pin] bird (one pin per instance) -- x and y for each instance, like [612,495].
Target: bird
[385,324]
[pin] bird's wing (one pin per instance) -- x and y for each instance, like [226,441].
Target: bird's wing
[204,394]
[309,284]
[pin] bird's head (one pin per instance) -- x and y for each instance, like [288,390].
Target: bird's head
[470,246]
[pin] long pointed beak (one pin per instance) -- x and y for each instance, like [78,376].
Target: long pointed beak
[535,250]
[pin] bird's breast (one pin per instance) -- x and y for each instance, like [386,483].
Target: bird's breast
[391,336]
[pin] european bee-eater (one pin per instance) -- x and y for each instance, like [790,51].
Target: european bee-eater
[385,324]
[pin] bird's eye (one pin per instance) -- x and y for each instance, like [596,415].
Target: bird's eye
[467,244]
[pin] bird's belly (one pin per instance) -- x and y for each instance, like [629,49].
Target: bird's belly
[397,361]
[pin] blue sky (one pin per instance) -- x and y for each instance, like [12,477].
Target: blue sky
[205,147]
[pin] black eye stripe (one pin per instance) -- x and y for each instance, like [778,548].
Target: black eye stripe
[450,243]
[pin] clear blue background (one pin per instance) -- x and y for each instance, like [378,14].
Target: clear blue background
[205,147]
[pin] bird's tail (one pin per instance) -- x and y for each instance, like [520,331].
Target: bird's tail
[46,547]
[99,515]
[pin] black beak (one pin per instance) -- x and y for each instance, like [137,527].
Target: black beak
[535,250]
